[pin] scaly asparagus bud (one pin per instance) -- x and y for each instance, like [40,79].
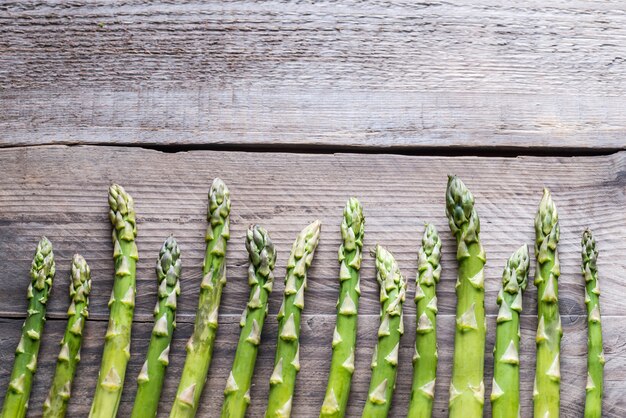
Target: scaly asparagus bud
[287,362]
[25,364]
[467,389]
[505,388]
[549,331]
[262,257]
[385,359]
[55,405]
[116,352]
[344,341]
[200,345]
[595,352]
[150,379]
[425,357]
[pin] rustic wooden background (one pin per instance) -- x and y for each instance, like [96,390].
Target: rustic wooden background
[298,106]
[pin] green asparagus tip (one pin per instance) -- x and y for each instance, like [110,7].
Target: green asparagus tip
[590,253]
[515,275]
[43,267]
[219,202]
[311,232]
[547,216]
[80,284]
[353,215]
[261,250]
[168,264]
[387,266]
[430,240]
[218,192]
[120,201]
[459,205]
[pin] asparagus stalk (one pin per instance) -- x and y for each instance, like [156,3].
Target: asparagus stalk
[42,274]
[467,389]
[505,388]
[261,279]
[385,359]
[344,337]
[549,330]
[425,357]
[55,405]
[595,355]
[200,345]
[116,352]
[150,379]
[287,362]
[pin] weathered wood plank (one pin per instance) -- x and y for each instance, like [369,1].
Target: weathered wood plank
[385,74]
[316,336]
[61,192]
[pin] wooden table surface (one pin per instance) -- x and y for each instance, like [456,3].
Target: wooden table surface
[298,106]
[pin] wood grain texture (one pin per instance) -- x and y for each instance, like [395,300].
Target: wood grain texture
[61,191]
[351,74]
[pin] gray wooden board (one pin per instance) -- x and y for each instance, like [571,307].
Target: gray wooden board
[380,74]
[61,192]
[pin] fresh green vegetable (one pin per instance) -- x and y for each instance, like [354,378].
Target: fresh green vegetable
[287,363]
[385,359]
[549,331]
[595,354]
[25,365]
[200,345]
[55,405]
[262,257]
[505,388]
[150,379]
[344,336]
[116,352]
[467,389]
[425,357]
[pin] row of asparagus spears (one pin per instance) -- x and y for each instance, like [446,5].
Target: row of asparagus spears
[467,389]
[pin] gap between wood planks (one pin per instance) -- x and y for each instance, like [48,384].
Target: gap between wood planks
[417,150]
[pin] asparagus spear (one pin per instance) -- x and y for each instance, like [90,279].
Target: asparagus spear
[287,362]
[467,389]
[67,361]
[261,279]
[344,341]
[116,350]
[385,359]
[200,345]
[42,274]
[425,357]
[505,388]
[150,379]
[549,330]
[595,355]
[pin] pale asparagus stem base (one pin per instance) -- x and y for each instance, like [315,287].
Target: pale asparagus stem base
[344,335]
[262,257]
[425,357]
[200,345]
[287,361]
[546,393]
[385,359]
[595,351]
